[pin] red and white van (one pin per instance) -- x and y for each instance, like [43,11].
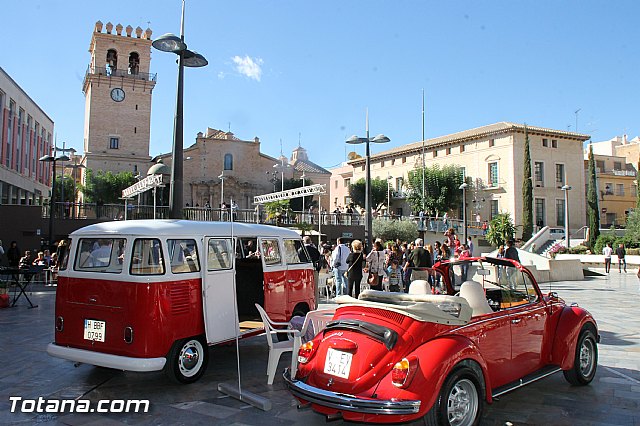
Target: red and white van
[149,295]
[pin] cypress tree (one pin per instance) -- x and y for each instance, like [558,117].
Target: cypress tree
[592,202]
[527,192]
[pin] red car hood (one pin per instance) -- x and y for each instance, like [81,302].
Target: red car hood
[365,343]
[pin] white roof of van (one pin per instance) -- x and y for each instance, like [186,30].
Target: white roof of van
[166,227]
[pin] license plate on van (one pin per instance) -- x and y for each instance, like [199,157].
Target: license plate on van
[94,330]
[338,363]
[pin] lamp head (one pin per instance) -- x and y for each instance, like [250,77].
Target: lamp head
[62,158]
[463,186]
[380,139]
[46,158]
[169,43]
[194,59]
[354,140]
[568,188]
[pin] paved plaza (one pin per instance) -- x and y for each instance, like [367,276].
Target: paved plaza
[613,398]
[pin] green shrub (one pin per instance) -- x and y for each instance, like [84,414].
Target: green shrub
[633,252]
[385,229]
[603,239]
[578,249]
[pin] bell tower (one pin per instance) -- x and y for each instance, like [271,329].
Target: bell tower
[117,88]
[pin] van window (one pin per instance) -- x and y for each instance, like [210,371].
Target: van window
[248,247]
[270,252]
[147,258]
[62,254]
[219,254]
[184,256]
[294,252]
[100,255]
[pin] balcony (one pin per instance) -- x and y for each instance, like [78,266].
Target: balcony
[111,72]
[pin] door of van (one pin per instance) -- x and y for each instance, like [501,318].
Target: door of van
[275,275]
[300,286]
[219,298]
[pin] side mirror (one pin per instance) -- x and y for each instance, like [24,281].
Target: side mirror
[553,295]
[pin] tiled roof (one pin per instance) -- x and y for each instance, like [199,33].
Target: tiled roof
[310,167]
[479,132]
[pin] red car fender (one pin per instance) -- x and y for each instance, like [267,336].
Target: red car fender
[571,322]
[436,359]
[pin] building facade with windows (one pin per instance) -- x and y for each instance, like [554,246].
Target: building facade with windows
[118,86]
[492,156]
[617,190]
[219,156]
[25,136]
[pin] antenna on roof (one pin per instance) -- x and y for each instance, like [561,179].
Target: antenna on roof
[280,146]
[299,138]
[229,127]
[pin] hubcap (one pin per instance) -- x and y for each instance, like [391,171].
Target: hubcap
[190,359]
[586,357]
[462,403]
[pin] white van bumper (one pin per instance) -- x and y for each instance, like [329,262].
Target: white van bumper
[106,360]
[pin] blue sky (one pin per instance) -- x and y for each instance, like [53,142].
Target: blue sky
[284,69]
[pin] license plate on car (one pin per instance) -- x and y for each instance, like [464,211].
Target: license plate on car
[338,363]
[94,330]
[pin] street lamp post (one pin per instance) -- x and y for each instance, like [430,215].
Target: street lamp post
[389,177]
[186,58]
[52,199]
[464,211]
[273,179]
[367,196]
[303,177]
[222,177]
[566,189]
[75,167]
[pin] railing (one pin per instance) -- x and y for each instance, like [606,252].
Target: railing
[111,72]
[117,212]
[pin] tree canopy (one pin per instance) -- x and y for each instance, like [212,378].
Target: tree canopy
[378,192]
[501,229]
[441,192]
[593,212]
[106,187]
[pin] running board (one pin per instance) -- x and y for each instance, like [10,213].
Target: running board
[540,374]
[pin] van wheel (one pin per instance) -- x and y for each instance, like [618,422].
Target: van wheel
[187,360]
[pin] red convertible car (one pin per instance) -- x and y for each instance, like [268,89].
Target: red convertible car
[475,330]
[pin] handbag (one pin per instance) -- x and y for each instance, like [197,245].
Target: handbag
[372,279]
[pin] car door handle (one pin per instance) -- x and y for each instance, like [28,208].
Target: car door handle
[291,281]
[516,321]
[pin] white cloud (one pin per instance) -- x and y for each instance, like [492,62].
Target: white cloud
[248,66]
[221,75]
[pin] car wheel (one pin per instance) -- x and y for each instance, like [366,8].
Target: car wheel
[187,360]
[585,362]
[460,401]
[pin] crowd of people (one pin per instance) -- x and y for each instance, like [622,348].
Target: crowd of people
[397,263]
[44,259]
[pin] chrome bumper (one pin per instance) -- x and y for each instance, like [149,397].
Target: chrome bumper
[346,402]
[106,360]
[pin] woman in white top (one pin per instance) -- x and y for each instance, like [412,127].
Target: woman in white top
[375,264]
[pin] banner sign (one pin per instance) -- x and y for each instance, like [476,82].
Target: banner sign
[152,181]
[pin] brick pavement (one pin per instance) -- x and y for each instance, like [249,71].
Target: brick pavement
[612,399]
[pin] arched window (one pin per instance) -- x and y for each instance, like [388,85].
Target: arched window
[134,63]
[112,61]
[228,162]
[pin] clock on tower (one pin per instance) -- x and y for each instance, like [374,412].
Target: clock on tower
[118,88]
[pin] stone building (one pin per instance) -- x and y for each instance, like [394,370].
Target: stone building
[25,136]
[219,156]
[493,156]
[118,86]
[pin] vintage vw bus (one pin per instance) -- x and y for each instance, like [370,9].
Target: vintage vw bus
[149,295]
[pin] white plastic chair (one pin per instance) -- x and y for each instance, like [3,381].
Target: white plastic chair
[277,348]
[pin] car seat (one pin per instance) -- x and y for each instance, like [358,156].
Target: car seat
[419,287]
[473,292]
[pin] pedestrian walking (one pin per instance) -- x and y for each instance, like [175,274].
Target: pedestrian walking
[339,266]
[355,260]
[607,251]
[621,253]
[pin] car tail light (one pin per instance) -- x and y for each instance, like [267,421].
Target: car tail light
[128,334]
[305,352]
[403,372]
[59,324]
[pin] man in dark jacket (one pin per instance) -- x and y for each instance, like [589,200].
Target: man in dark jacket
[511,252]
[419,258]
